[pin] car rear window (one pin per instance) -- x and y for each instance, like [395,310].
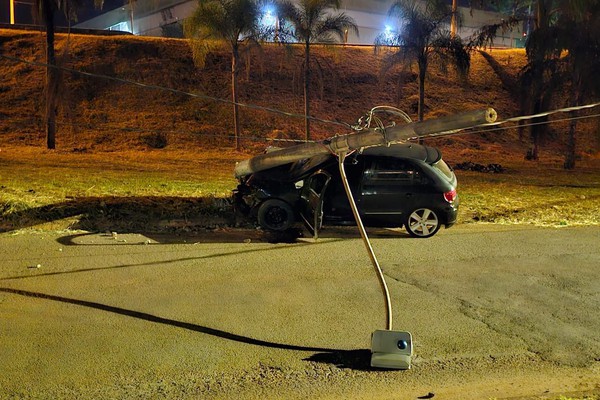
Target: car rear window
[444,169]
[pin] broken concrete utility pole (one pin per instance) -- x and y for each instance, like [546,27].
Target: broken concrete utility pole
[366,138]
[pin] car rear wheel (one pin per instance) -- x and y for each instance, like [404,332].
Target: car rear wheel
[275,215]
[422,223]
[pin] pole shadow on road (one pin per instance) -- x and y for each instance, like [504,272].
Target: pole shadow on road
[67,239]
[354,359]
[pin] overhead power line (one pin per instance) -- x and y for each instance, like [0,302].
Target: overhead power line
[111,127]
[491,127]
[502,128]
[171,90]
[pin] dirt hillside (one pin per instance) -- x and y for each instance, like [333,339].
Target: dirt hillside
[97,113]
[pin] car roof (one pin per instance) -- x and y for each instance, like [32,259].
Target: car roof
[299,170]
[415,151]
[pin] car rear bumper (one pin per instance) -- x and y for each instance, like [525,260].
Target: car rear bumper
[451,215]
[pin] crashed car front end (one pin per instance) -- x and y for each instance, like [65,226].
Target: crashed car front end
[272,203]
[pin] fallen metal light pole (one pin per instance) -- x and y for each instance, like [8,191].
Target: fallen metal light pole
[366,138]
[363,234]
[389,349]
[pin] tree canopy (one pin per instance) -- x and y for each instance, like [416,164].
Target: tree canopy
[45,11]
[224,21]
[314,21]
[424,35]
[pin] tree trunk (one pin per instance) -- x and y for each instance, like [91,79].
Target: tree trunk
[453,20]
[131,5]
[306,91]
[536,133]
[570,153]
[421,105]
[537,79]
[575,99]
[51,76]
[234,95]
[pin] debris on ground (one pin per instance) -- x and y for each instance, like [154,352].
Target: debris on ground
[471,166]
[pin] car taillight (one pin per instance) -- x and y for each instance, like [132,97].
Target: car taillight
[450,196]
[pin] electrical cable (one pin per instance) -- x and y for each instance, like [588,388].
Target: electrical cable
[466,132]
[106,126]
[276,111]
[175,91]
[544,114]
[266,139]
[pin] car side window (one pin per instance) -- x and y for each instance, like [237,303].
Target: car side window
[394,171]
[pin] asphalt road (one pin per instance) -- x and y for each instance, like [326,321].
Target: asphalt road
[495,312]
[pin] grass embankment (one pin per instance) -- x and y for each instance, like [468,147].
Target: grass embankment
[108,172]
[174,190]
[542,194]
[126,191]
[98,114]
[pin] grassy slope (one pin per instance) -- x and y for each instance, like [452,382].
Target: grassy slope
[98,113]
[106,127]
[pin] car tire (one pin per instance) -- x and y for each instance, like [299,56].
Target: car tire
[422,223]
[275,215]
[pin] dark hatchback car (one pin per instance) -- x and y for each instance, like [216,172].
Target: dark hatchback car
[399,185]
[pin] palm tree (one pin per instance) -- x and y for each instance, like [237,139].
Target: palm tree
[558,26]
[46,10]
[540,69]
[424,35]
[314,21]
[454,18]
[535,89]
[224,21]
[579,34]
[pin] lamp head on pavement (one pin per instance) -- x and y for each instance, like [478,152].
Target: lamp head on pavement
[391,349]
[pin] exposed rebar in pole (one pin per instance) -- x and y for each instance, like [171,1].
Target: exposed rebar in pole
[365,238]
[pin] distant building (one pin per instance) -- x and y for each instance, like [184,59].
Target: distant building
[164,18]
